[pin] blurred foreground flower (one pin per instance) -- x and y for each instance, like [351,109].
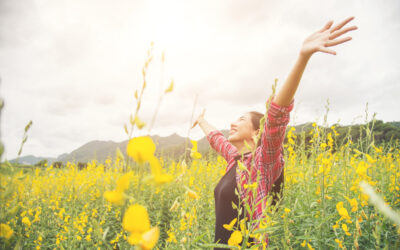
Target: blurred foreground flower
[141,149]
[117,196]
[5,231]
[157,172]
[193,153]
[136,222]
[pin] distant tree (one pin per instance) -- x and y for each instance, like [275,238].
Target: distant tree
[57,164]
[82,165]
[41,163]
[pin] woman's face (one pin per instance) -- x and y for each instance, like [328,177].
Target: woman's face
[242,129]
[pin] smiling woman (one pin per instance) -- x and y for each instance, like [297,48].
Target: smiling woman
[266,168]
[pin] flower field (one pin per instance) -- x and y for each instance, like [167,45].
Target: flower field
[159,203]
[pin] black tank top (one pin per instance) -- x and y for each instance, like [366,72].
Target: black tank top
[224,195]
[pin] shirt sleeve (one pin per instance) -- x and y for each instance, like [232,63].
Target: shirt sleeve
[220,144]
[269,154]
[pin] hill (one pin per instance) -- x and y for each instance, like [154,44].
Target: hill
[174,145]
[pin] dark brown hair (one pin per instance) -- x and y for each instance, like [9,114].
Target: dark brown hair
[277,187]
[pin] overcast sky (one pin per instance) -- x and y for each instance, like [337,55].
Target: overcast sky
[72,66]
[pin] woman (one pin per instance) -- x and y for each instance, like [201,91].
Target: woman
[268,155]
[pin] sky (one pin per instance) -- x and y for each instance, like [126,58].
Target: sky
[72,67]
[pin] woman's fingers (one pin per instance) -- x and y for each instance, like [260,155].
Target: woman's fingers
[337,41]
[326,50]
[343,23]
[338,33]
[327,26]
[197,121]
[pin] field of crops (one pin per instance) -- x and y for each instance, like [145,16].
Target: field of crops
[159,203]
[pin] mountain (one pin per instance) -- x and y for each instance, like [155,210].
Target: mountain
[175,145]
[31,159]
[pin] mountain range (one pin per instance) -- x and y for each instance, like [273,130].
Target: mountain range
[174,145]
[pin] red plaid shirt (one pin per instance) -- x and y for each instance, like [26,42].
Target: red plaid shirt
[268,157]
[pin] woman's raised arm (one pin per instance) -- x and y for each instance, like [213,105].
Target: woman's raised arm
[318,41]
[216,139]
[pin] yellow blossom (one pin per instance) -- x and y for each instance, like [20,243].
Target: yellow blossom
[114,196]
[5,231]
[139,123]
[193,153]
[123,182]
[26,221]
[235,239]
[150,238]
[229,226]
[339,243]
[141,149]
[353,203]
[345,229]
[342,211]
[157,172]
[136,219]
[193,195]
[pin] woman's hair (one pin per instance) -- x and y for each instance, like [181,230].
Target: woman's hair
[277,186]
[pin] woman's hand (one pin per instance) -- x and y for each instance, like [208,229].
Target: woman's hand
[199,119]
[326,37]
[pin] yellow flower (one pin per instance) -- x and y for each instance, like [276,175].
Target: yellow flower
[123,182]
[345,229]
[194,154]
[5,231]
[150,238]
[193,195]
[157,172]
[163,178]
[339,243]
[136,219]
[362,169]
[235,239]
[171,237]
[342,211]
[353,203]
[141,149]
[134,238]
[139,123]
[230,226]
[303,244]
[251,186]
[287,210]
[370,159]
[114,196]
[26,221]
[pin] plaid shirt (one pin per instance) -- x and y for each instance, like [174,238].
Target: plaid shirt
[268,157]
